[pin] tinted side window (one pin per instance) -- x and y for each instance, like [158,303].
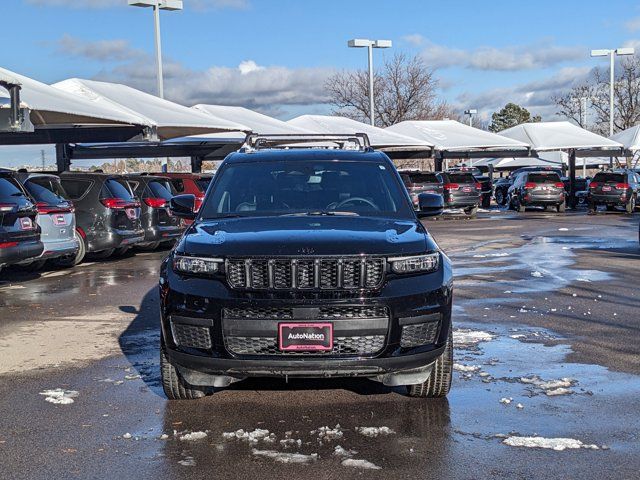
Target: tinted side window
[46,189]
[9,188]
[178,184]
[117,189]
[76,188]
[159,189]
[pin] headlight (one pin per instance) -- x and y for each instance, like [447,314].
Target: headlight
[418,263]
[197,265]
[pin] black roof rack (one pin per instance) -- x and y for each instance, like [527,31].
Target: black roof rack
[357,141]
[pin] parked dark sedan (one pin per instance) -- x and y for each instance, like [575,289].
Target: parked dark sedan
[461,190]
[56,219]
[614,188]
[537,189]
[19,231]
[154,193]
[107,214]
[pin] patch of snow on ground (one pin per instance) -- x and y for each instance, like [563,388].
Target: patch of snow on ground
[465,337]
[465,368]
[187,462]
[252,437]
[506,401]
[537,274]
[189,437]
[374,431]
[340,451]
[551,387]
[283,457]
[59,396]
[327,434]
[558,444]
[359,463]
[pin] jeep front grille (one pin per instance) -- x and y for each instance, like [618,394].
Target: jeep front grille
[324,273]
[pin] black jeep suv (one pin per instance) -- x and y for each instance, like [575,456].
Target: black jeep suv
[306,263]
[614,188]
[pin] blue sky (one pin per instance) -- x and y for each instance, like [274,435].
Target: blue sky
[485,53]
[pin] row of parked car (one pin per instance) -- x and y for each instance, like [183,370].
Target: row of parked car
[468,188]
[61,218]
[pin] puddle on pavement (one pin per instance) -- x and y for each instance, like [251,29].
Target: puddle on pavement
[548,264]
[508,382]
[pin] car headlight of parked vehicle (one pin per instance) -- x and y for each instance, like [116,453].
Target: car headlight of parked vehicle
[418,263]
[197,265]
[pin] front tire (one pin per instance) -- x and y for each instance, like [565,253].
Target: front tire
[174,386]
[500,197]
[439,382]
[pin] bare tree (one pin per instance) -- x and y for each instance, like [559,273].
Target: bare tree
[404,89]
[596,89]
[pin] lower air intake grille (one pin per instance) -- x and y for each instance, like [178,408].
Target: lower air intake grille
[419,334]
[191,336]
[367,345]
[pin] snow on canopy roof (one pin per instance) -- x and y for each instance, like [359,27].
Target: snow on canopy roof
[558,136]
[516,162]
[450,135]
[171,119]
[257,122]
[630,138]
[378,137]
[50,106]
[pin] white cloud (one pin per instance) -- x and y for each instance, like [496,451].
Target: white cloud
[249,66]
[633,25]
[534,95]
[415,39]
[196,4]
[513,58]
[101,50]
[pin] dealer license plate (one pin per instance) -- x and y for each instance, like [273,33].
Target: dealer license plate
[309,337]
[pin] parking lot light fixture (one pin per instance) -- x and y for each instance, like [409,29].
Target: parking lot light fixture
[157,5]
[471,112]
[612,53]
[370,45]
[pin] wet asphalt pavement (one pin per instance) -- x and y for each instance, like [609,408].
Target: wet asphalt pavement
[547,321]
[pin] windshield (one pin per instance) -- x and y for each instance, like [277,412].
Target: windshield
[9,188]
[609,177]
[160,189]
[422,178]
[462,178]
[116,188]
[306,187]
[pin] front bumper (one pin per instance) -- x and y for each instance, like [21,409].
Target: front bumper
[408,300]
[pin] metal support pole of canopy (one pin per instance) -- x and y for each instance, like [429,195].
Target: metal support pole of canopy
[63,157]
[572,178]
[196,164]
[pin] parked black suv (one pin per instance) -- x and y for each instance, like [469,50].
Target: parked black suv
[19,232]
[306,263]
[461,190]
[154,193]
[537,189]
[107,214]
[614,188]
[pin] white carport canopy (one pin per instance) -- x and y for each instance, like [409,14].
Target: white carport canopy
[257,122]
[456,140]
[550,136]
[53,107]
[510,163]
[169,119]
[378,137]
[629,138]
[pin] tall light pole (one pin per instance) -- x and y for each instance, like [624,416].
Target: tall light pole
[370,44]
[158,5]
[471,112]
[611,53]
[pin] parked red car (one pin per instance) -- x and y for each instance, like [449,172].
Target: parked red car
[194,183]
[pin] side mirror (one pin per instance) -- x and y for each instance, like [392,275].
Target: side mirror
[430,205]
[183,206]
